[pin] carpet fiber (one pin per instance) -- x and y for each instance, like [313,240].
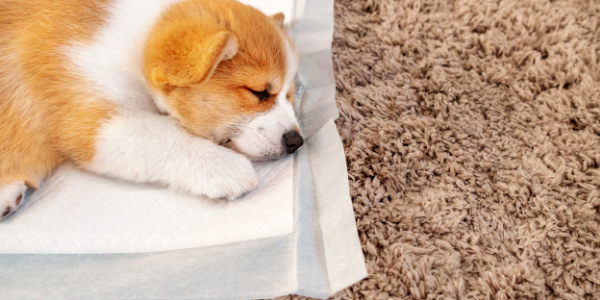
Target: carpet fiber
[472,136]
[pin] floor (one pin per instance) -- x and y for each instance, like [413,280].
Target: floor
[472,137]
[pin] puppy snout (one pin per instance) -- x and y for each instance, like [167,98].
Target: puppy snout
[292,140]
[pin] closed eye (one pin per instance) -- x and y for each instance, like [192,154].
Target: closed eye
[261,95]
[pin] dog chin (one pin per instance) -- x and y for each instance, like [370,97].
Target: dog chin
[271,155]
[264,158]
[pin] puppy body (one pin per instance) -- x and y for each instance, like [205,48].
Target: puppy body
[143,90]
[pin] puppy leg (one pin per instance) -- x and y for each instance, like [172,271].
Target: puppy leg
[145,147]
[11,197]
[26,157]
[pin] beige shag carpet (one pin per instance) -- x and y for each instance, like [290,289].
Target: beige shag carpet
[472,137]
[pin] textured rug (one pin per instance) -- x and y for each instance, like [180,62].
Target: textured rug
[472,137]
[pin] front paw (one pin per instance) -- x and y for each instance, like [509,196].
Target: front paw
[230,175]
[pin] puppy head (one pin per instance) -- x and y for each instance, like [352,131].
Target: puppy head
[226,71]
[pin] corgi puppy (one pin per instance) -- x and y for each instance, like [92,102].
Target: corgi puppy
[182,93]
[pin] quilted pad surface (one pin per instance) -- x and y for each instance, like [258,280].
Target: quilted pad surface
[77,212]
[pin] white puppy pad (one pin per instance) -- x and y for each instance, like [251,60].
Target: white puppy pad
[77,212]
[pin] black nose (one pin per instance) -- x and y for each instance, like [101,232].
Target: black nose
[292,141]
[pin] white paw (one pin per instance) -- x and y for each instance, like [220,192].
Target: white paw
[227,175]
[11,197]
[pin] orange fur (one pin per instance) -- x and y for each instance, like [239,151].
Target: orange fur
[47,114]
[40,124]
[204,103]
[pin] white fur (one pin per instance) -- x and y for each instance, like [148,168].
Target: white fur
[146,147]
[262,136]
[114,62]
[8,196]
[142,146]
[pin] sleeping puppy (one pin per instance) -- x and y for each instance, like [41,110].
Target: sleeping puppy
[182,93]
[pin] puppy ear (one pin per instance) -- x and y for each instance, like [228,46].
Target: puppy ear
[278,18]
[187,55]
